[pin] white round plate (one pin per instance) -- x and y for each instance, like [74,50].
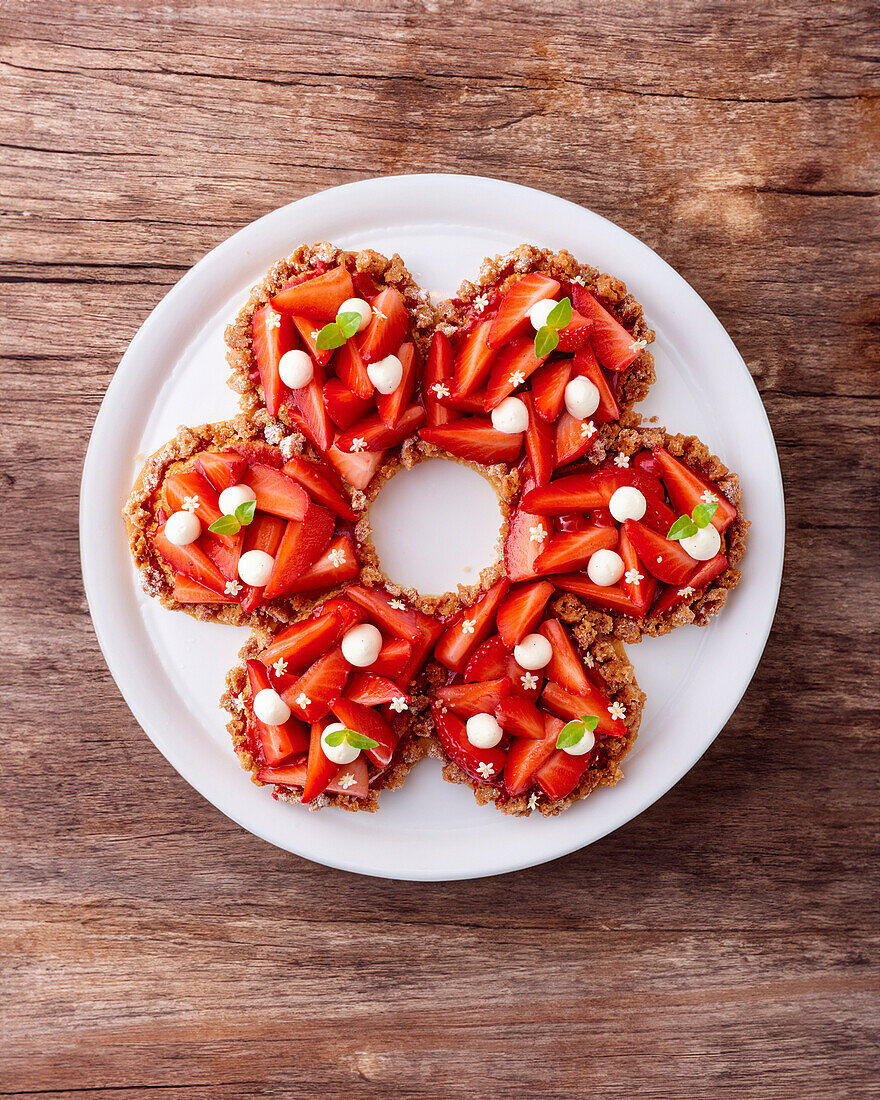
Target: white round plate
[171,668]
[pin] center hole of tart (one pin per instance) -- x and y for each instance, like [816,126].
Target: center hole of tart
[436,526]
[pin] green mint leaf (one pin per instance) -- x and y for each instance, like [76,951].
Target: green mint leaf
[349,323]
[703,513]
[225,525]
[546,339]
[336,737]
[570,734]
[331,336]
[245,512]
[590,721]
[683,528]
[560,315]
[358,741]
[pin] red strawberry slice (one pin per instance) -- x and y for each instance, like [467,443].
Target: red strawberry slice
[512,318]
[473,361]
[263,534]
[405,622]
[663,558]
[317,481]
[438,372]
[573,549]
[343,408]
[527,754]
[687,489]
[350,613]
[615,348]
[573,438]
[575,334]
[352,370]
[222,468]
[471,627]
[364,286]
[303,643]
[310,696]
[527,535]
[371,690]
[308,332]
[337,565]
[610,598]
[387,328]
[301,545]
[473,403]
[193,484]
[559,776]
[271,337]
[254,450]
[370,723]
[318,298]
[488,662]
[521,611]
[578,493]
[191,561]
[374,435]
[306,407]
[513,365]
[393,658]
[277,493]
[320,771]
[548,387]
[540,446]
[453,737]
[699,579]
[566,666]
[520,717]
[294,775]
[277,742]
[187,590]
[592,702]
[224,556]
[357,469]
[482,697]
[391,406]
[475,440]
[585,364]
[637,582]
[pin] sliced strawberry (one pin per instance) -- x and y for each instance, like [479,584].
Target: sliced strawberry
[193,484]
[374,435]
[263,534]
[294,775]
[488,662]
[471,627]
[321,684]
[306,407]
[406,622]
[481,697]
[527,534]
[473,403]
[637,582]
[592,702]
[357,469]
[364,285]
[548,387]
[337,565]
[370,723]
[473,361]
[191,561]
[610,598]
[221,553]
[697,581]
[438,371]
[475,440]
[271,337]
[277,742]
[512,318]
[573,438]
[526,684]
[559,776]
[393,658]
[585,364]
[342,406]
[520,717]
[308,332]
[387,328]
[664,558]
[318,298]
[303,643]
[577,493]
[575,334]
[349,612]
[222,468]
[453,737]
[527,754]
[521,611]
[391,406]
[277,493]
[687,489]
[371,690]
[573,549]
[301,545]
[512,366]
[255,450]
[540,446]
[320,771]
[187,590]
[319,483]
[351,370]
[615,348]
[566,666]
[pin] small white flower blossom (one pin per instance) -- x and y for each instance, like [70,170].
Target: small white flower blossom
[399,704]
[533,800]
[622,461]
[378,313]
[273,319]
[315,333]
[337,557]
[302,700]
[639,345]
[709,497]
[587,428]
[687,592]
[358,445]
[529,681]
[237,703]
[480,302]
[617,710]
[517,379]
[633,576]
[346,781]
[398,605]
[280,667]
[190,504]
[232,588]
[588,660]
[537,533]
[468,626]
[579,280]
[486,770]
[440,390]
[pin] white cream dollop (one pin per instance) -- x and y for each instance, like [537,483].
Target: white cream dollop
[704,545]
[483,731]
[511,416]
[540,311]
[359,306]
[583,746]
[235,495]
[296,368]
[533,652]
[255,567]
[627,502]
[386,374]
[182,528]
[361,645]
[605,568]
[339,754]
[582,398]
[270,708]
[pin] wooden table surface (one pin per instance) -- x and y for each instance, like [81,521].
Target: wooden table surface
[722,944]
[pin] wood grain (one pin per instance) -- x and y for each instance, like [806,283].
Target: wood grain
[722,944]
